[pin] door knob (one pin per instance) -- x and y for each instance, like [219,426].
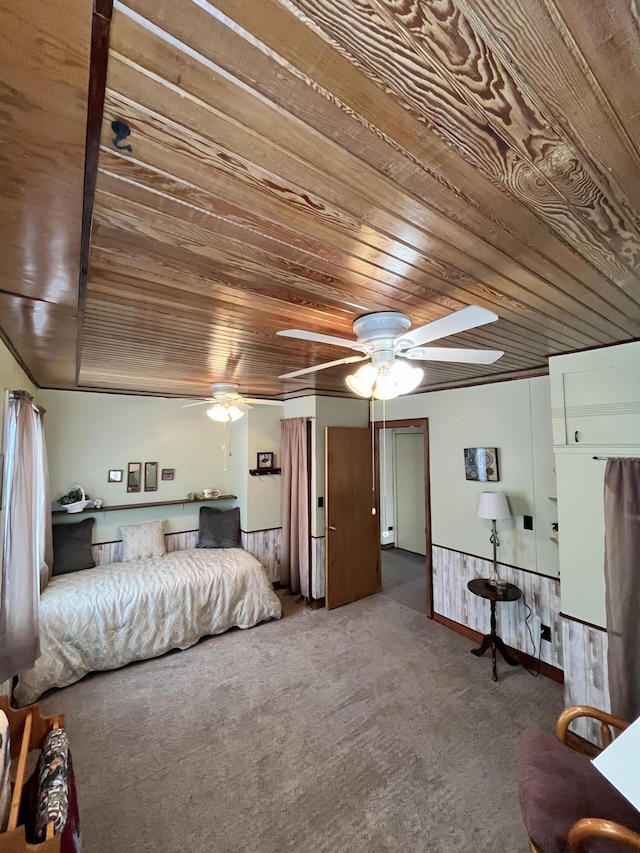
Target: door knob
[331,527]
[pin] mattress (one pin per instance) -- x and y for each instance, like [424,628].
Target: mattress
[103,618]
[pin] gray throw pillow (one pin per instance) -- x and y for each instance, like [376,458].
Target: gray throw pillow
[72,547]
[219,529]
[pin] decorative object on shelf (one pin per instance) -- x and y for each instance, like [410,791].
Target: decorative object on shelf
[168,473]
[134,476]
[115,475]
[98,503]
[75,500]
[150,476]
[494,505]
[265,460]
[211,493]
[481,464]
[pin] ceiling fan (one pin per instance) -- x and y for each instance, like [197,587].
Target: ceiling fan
[229,404]
[385,335]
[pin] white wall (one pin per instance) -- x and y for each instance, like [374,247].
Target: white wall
[515,417]
[88,434]
[331,411]
[12,378]
[264,510]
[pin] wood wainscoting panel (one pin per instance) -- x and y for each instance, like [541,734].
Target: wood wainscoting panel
[586,678]
[317,567]
[265,545]
[452,570]
[107,552]
[181,541]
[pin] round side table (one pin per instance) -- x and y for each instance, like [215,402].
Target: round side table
[482,588]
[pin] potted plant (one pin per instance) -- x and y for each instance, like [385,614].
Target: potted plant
[75,500]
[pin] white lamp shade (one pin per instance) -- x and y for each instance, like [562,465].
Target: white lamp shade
[361,382]
[406,377]
[385,388]
[225,413]
[234,412]
[493,505]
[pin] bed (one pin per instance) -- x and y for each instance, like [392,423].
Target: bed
[106,617]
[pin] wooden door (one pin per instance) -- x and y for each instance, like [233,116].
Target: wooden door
[409,492]
[352,536]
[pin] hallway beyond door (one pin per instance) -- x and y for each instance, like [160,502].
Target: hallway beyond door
[404,578]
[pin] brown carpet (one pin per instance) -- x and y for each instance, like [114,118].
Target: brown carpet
[364,729]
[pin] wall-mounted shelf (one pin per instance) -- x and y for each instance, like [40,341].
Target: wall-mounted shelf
[555,539]
[553,498]
[90,510]
[259,472]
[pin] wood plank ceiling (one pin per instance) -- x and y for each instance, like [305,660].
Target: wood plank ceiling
[297,163]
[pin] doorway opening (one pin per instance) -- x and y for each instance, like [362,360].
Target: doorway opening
[405,515]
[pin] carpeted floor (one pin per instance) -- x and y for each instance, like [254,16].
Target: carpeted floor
[363,729]
[404,578]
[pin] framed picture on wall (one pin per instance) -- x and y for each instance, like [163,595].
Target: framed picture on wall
[481,464]
[114,475]
[265,460]
[167,473]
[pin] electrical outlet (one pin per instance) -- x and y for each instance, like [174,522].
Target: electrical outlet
[545,633]
[320,502]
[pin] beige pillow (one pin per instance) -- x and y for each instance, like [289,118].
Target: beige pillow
[140,541]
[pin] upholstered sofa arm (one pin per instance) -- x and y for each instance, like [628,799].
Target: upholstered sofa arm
[608,721]
[585,830]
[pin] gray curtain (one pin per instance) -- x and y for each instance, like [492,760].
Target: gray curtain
[622,576]
[26,524]
[294,558]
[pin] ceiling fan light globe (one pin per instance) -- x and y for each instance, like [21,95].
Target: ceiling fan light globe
[218,413]
[385,388]
[234,412]
[361,382]
[358,385]
[406,377]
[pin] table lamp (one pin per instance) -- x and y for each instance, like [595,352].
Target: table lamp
[494,505]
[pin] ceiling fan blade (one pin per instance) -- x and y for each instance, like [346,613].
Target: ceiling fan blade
[264,402]
[459,321]
[320,339]
[466,356]
[349,360]
[199,403]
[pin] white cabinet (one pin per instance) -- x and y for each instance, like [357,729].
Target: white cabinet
[596,397]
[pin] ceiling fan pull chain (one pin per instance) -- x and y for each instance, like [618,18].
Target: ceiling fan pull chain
[383,490]
[373,455]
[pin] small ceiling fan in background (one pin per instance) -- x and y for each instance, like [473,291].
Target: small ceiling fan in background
[229,404]
[385,335]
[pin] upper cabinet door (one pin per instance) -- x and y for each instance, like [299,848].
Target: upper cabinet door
[595,397]
[602,407]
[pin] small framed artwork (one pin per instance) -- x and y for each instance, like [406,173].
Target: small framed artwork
[481,464]
[265,460]
[167,473]
[115,475]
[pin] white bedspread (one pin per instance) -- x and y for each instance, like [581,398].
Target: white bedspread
[106,617]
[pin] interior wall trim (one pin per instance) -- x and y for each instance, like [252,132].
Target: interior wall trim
[523,658]
[582,622]
[500,562]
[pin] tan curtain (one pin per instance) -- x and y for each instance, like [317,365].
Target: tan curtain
[294,562]
[622,575]
[26,536]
